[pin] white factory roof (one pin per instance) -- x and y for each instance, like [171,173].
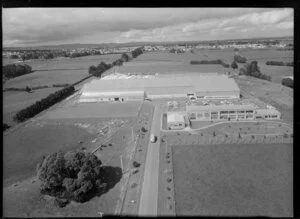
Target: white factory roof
[114,93]
[197,83]
[175,118]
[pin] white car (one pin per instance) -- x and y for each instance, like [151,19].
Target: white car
[153,138]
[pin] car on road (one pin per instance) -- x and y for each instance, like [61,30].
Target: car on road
[153,138]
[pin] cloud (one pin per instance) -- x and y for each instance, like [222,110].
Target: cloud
[252,23]
[52,25]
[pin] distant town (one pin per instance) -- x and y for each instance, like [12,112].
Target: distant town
[78,50]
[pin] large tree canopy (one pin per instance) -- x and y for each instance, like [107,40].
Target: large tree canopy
[74,175]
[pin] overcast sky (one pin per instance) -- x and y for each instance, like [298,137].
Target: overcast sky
[50,26]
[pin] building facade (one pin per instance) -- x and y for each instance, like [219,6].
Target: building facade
[175,121]
[230,112]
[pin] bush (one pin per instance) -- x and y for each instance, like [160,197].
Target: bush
[125,57]
[239,59]
[5,126]
[287,82]
[234,65]
[43,104]
[252,69]
[136,164]
[15,70]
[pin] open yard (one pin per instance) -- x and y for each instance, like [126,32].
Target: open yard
[233,180]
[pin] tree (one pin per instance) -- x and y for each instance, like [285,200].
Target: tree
[72,175]
[234,65]
[239,59]
[125,57]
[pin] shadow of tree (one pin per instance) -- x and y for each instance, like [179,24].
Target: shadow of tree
[110,176]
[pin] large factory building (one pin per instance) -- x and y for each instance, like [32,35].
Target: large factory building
[203,87]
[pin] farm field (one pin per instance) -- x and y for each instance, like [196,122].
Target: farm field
[60,63]
[233,180]
[13,101]
[165,62]
[95,110]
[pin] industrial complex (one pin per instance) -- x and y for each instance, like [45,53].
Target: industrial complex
[214,97]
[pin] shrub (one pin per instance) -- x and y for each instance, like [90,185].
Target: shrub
[252,69]
[234,65]
[287,82]
[43,104]
[125,57]
[136,164]
[5,126]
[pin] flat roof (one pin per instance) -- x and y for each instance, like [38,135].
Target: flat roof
[195,82]
[175,118]
[219,107]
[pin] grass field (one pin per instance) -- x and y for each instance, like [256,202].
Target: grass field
[233,180]
[13,101]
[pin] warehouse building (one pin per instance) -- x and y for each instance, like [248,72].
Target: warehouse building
[213,86]
[175,121]
[121,96]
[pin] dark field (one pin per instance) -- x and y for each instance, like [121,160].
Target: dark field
[234,180]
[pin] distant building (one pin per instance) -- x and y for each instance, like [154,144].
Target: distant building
[175,121]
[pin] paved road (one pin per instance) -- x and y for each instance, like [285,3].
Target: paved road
[149,195]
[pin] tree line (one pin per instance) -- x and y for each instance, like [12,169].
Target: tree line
[205,62]
[43,104]
[98,70]
[14,70]
[277,63]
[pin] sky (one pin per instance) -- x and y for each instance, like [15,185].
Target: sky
[52,26]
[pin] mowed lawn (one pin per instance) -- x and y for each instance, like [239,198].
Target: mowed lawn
[95,110]
[13,101]
[234,180]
